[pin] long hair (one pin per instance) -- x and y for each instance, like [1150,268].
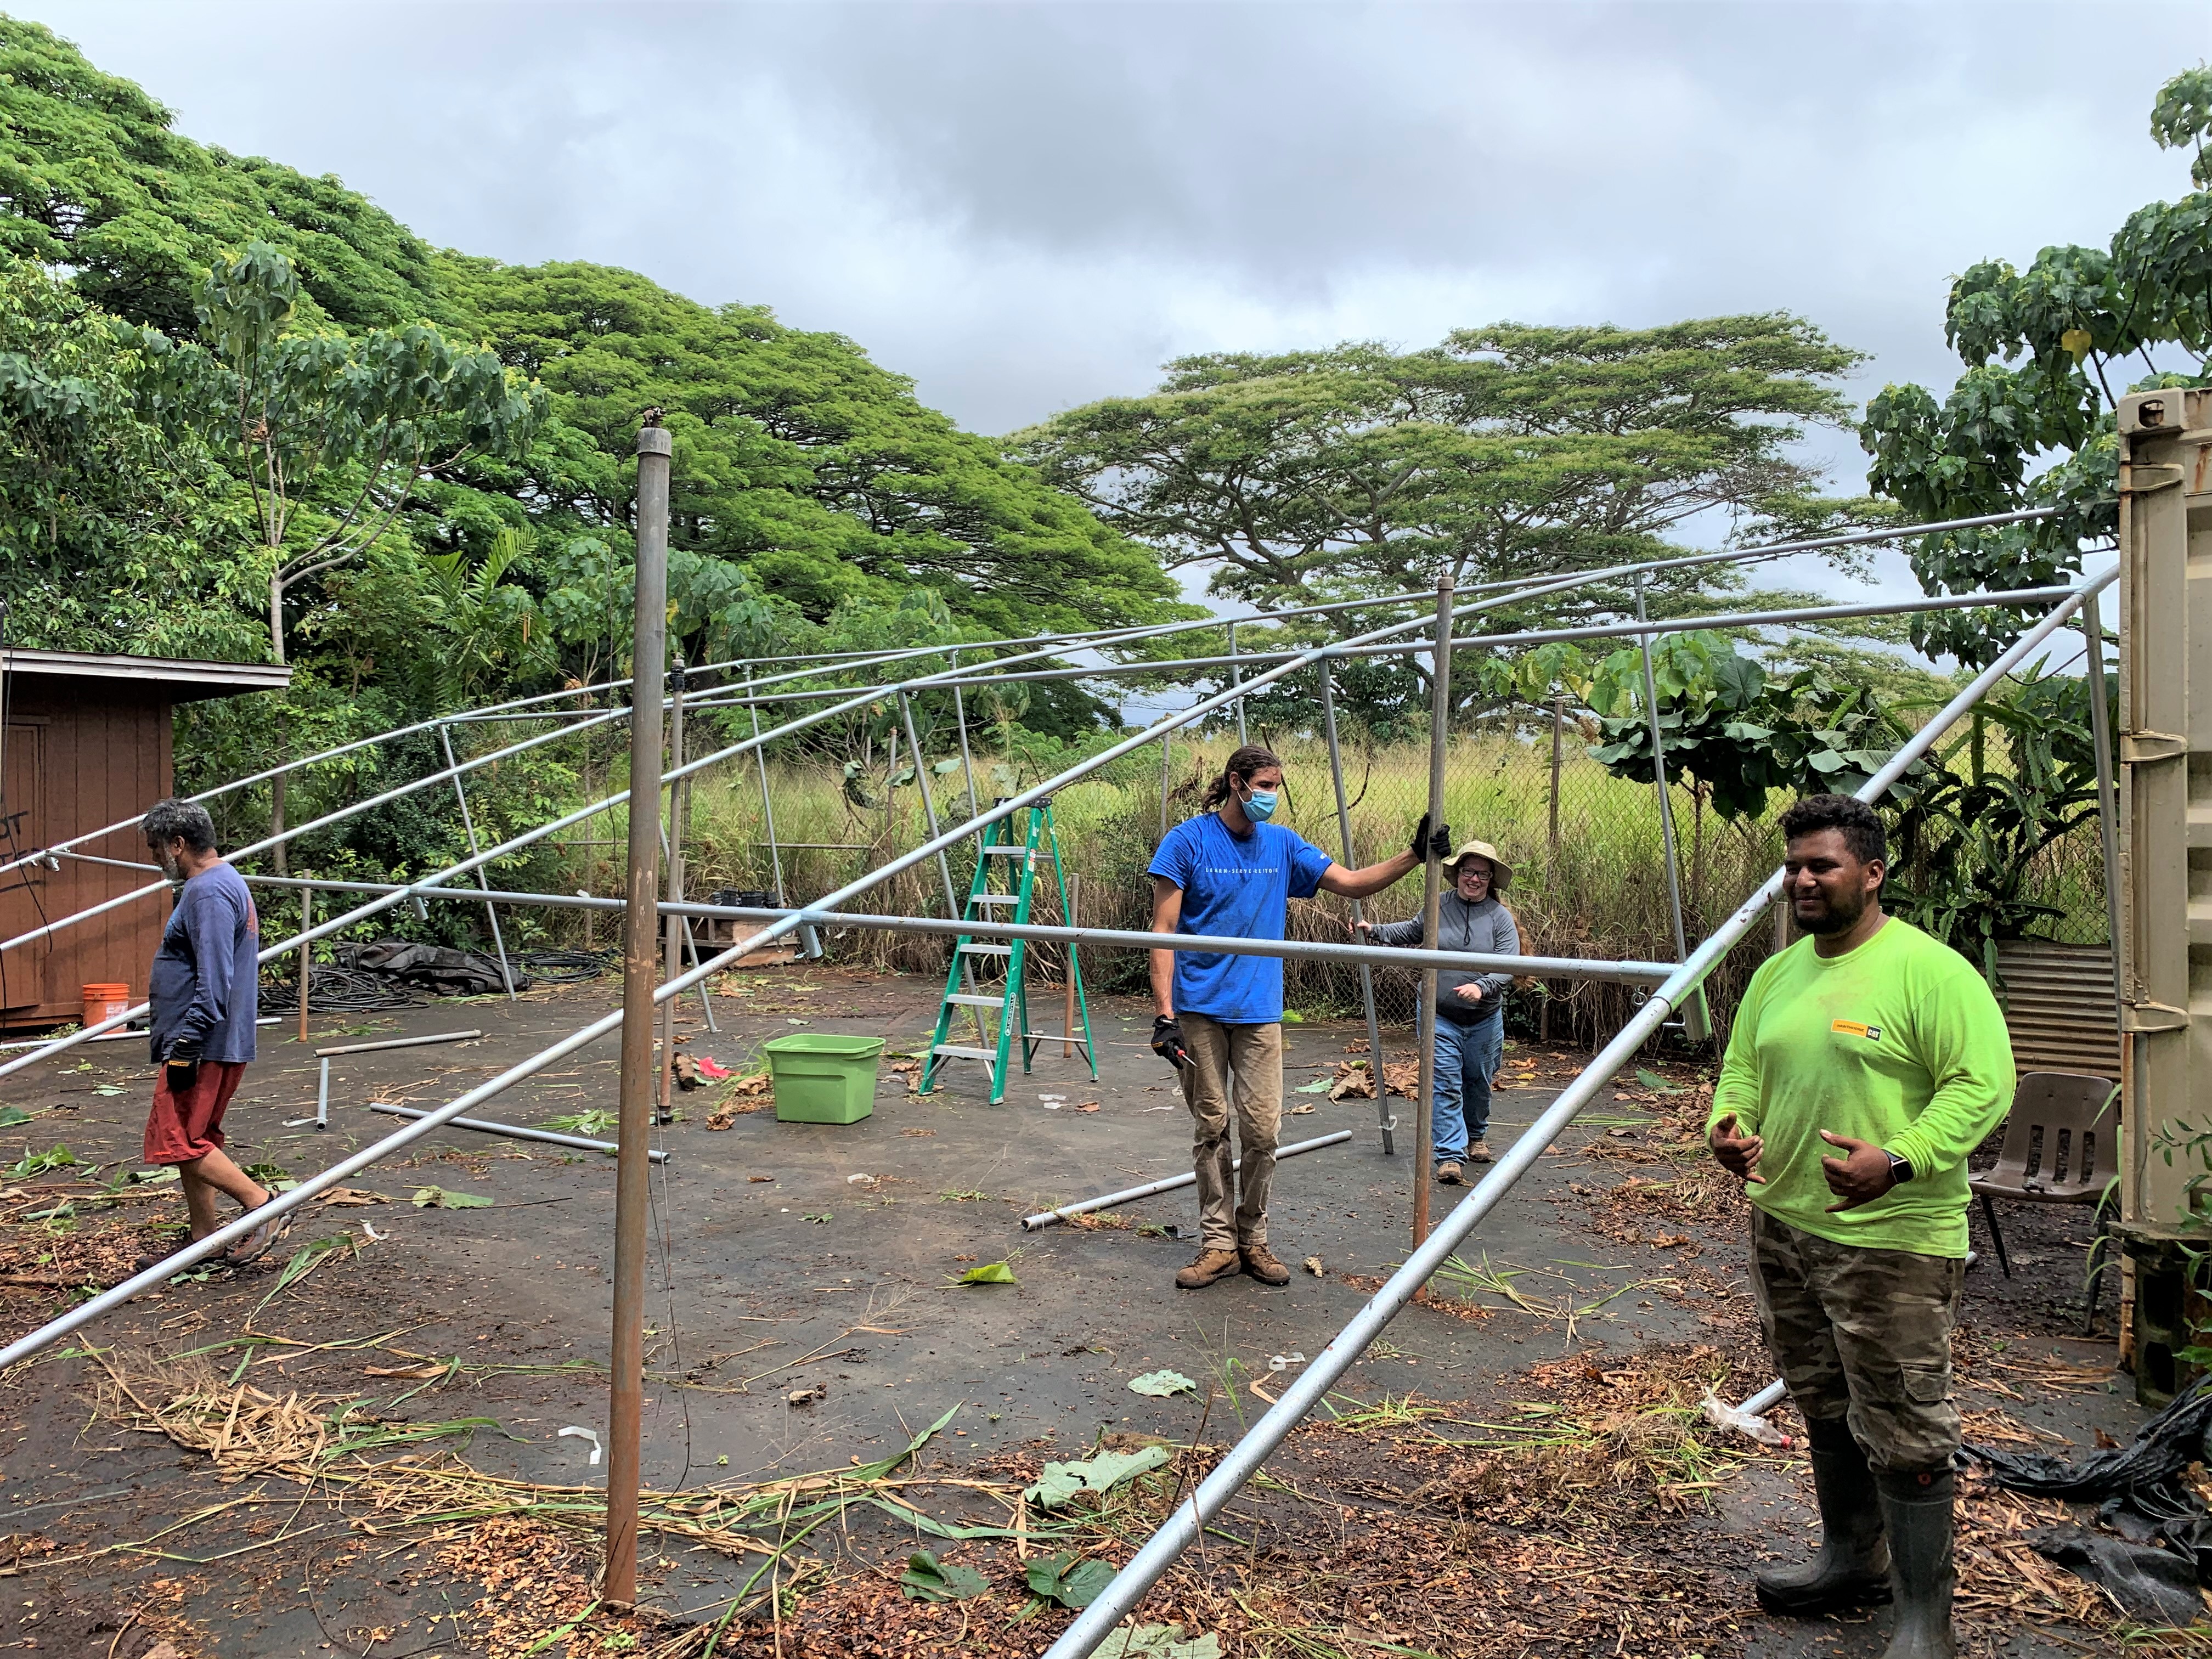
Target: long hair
[1241,765]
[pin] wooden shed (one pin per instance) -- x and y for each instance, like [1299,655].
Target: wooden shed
[87,744]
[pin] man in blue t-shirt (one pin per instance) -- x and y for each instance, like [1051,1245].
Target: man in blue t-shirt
[1228,874]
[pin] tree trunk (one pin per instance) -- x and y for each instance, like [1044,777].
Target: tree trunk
[277,858]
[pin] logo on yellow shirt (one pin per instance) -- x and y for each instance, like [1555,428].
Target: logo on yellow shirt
[1853,1028]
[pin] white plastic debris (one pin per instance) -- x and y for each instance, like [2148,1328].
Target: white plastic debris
[590,1434]
[1722,1415]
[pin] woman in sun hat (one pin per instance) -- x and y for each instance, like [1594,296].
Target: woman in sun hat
[1470,1007]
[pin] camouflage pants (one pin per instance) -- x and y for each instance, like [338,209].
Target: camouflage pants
[1864,1336]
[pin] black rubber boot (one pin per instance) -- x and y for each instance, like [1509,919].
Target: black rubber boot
[1852,1567]
[1917,1513]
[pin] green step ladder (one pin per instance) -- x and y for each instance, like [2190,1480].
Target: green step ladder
[988,900]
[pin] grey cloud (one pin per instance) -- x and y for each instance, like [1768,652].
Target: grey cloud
[1027,207]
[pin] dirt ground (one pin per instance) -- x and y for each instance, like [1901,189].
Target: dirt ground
[271,1463]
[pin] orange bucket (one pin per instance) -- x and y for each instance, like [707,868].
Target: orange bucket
[103,1002]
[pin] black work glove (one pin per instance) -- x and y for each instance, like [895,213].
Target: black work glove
[182,1071]
[1430,844]
[1166,1041]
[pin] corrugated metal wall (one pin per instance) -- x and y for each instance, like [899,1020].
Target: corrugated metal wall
[2058,1007]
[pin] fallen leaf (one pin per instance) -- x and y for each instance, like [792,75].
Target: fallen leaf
[1300,1111]
[928,1579]
[925,1133]
[1157,1642]
[991,1273]
[416,1371]
[805,1396]
[1312,1264]
[1161,1384]
[1059,1482]
[353,1196]
[1070,1583]
[1088,1106]
[437,1197]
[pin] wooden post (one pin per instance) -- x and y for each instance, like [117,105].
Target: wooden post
[641,967]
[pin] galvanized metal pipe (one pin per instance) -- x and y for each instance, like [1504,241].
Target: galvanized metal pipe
[1237,679]
[1184,1523]
[1044,1218]
[515,1131]
[1431,908]
[1695,1027]
[2015,598]
[1386,1120]
[469,824]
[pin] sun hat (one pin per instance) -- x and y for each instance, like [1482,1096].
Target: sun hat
[1501,872]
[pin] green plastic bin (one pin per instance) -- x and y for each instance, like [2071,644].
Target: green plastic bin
[817,1077]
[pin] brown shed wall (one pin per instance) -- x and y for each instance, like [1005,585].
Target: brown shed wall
[81,753]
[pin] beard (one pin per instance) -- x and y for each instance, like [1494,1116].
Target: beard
[1838,915]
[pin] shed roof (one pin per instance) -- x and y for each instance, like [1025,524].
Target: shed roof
[178,680]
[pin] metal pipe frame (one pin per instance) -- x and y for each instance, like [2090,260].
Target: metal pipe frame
[2023,597]
[1044,1218]
[1186,1521]
[1093,641]
[322,1117]
[1691,973]
[223,1236]
[1386,1120]
[336,924]
[469,825]
[1694,1024]
[1602,969]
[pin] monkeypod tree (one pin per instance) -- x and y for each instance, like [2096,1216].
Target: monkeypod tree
[1500,453]
[2048,350]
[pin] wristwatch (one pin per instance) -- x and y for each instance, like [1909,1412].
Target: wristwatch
[1901,1169]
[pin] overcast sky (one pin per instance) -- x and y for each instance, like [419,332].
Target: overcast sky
[1025,207]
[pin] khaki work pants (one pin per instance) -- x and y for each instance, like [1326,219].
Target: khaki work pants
[1253,1054]
[1864,1336]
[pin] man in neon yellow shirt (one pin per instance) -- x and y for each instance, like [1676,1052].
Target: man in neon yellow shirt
[1866,1061]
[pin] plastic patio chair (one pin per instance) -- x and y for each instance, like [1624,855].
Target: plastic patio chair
[2060,1147]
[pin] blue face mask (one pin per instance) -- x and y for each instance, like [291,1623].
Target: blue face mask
[1259,805]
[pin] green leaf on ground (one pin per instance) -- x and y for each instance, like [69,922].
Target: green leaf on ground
[928,1579]
[1061,1481]
[437,1197]
[1071,1582]
[37,1164]
[11,1115]
[991,1273]
[596,1121]
[1652,1080]
[1319,1085]
[1158,1642]
[1162,1383]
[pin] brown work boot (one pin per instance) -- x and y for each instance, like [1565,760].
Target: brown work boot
[1259,1262]
[1478,1153]
[1448,1173]
[1210,1265]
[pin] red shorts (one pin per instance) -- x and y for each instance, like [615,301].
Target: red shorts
[180,1128]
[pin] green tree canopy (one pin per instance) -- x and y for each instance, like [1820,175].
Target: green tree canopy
[96,185]
[1504,452]
[796,457]
[2048,351]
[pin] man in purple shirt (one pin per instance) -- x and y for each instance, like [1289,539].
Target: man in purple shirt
[203,993]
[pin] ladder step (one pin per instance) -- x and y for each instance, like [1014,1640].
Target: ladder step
[1005,852]
[994,898]
[966,1001]
[964,1053]
[986,950]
